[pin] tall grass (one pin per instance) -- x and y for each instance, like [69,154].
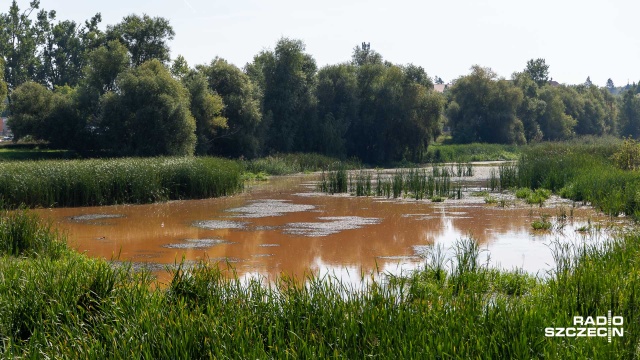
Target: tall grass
[471,152]
[335,180]
[75,307]
[116,181]
[583,172]
[413,183]
[284,164]
[24,234]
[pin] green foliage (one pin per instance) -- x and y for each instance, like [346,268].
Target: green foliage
[629,115]
[471,152]
[583,172]
[241,98]
[415,183]
[287,79]
[149,115]
[490,199]
[105,182]
[483,109]
[555,123]
[284,164]
[337,94]
[538,70]
[523,193]
[508,176]
[104,64]
[31,104]
[628,157]
[542,224]
[180,67]
[206,108]
[36,48]
[539,196]
[3,87]
[398,117]
[24,234]
[145,37]
[336,181]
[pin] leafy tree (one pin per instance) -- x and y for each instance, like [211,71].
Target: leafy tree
[180,67]
[206,108]
[145,37]
[438,80]
[418,75]
[397,115]
[538,70]
[47,115]
[65,49]
[241,98]
[18,44]
[554,122]
[104,64]
[610,86]
[363,55]
[531,108]
[485,109]
[287,77]
[629,116]
[337,107]
[588,82]
[148,113]
[30,105]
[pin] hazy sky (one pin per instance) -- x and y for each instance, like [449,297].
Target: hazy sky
[578,38]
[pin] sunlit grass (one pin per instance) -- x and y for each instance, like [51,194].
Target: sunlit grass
[64,183]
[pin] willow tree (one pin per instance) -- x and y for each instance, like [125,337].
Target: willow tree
[148,114]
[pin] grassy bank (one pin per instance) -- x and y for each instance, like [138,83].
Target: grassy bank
[284,164]
[471,152]
[64,305]
[598,173]
[116,181]
[21,153]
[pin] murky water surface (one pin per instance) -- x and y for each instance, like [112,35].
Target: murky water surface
[285,226]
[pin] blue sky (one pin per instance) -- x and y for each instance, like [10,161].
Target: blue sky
[600,39]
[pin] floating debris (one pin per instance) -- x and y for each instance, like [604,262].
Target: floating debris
[220,224]
[330,225]
[270,207]
[400,257]
[90,217]
[268,245]
[197,244]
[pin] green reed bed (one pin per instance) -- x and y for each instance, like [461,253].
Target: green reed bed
[116,181]
[471,152]
[418,184]
[583,172]
[335,180]
[284,164]
[75,307]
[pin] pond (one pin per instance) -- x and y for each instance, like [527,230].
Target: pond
[284,226]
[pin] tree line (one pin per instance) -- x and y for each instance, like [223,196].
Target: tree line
[118,91]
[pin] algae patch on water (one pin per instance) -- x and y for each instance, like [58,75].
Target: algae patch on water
[219,224]
[329,225]
[197,244]
[269,207]
[91,217]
